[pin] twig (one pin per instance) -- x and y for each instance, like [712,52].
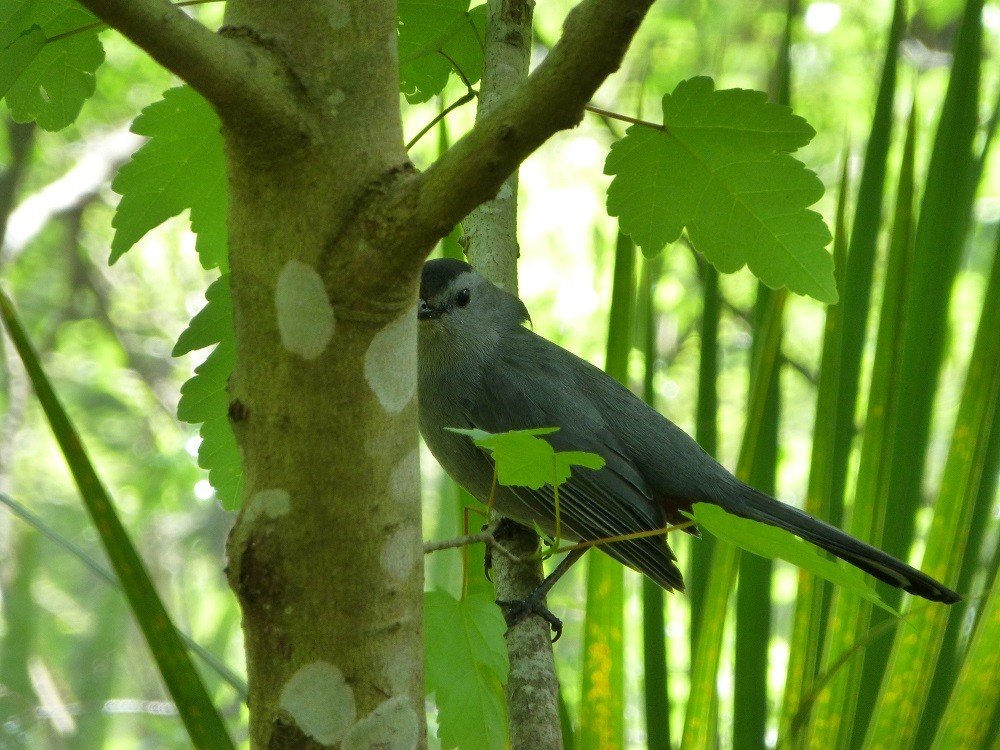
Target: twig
[625,537]
[799,367]
[468,97]
[802,369]
[464,541]
[595,37]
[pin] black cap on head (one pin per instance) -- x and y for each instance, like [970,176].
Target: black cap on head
[438,273]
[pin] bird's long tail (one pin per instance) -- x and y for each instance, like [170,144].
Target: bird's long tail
[760,507]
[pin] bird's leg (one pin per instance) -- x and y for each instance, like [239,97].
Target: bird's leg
[534,604]
[555,494]
[493,491]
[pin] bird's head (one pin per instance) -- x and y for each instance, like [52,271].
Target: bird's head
[453,294]
[461,312]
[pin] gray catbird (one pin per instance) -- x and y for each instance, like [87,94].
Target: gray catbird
[479,366]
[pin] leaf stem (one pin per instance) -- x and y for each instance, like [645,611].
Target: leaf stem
[625,537]
[623,118]
[468,97]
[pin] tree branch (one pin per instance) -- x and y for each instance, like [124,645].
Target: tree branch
[236,74]
[595,37]
[464,541]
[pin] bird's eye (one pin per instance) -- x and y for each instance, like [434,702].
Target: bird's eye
[423,304]
[463,297]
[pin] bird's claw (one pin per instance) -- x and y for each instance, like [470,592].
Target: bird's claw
[488,558]
[518,610]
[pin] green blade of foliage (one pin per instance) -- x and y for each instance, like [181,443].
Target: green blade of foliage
[836,705]
[808,622]
[699,723]
[203,722]
[974,581]
[602,719]
[945,212]
[654,633]
[566,725]
[753,590]
[204,398]
[702,551]
[948,664]
[180,167]
[720,167]
[706,433]
[940,235]
[976,695]
[47,83]
[778,544]
[865,228]
[465,667]
[20,618]
[602,713]
[105,575]
[431,32]
[914,656]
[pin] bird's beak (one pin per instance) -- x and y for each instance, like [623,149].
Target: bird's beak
[426,312]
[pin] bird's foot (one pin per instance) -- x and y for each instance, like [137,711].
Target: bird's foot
[488,556]
[518,610]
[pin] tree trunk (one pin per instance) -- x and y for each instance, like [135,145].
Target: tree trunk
[326,557]
[328,227]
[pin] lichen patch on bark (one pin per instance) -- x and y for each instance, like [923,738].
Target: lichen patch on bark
[269,503]
[400,553]
[305,315]
[392,725]
[338,14]
[334,100]
[391,362]
[320,702]
[405,476]
[398,669]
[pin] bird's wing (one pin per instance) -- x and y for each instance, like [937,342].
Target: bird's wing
[537,389]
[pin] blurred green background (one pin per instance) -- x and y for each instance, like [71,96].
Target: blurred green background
[74,671]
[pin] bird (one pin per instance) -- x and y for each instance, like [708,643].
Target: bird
[479,366]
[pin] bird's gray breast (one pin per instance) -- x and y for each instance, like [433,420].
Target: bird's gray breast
[442,399]
[447,399]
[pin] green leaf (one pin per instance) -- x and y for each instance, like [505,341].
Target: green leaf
[202,720]
[523,459]
[466,667]
[720,167]
[564,460]
[18,55]
[204,398]
[181,167]
[47,82]
[774,543]
[429,34]
[212,324]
